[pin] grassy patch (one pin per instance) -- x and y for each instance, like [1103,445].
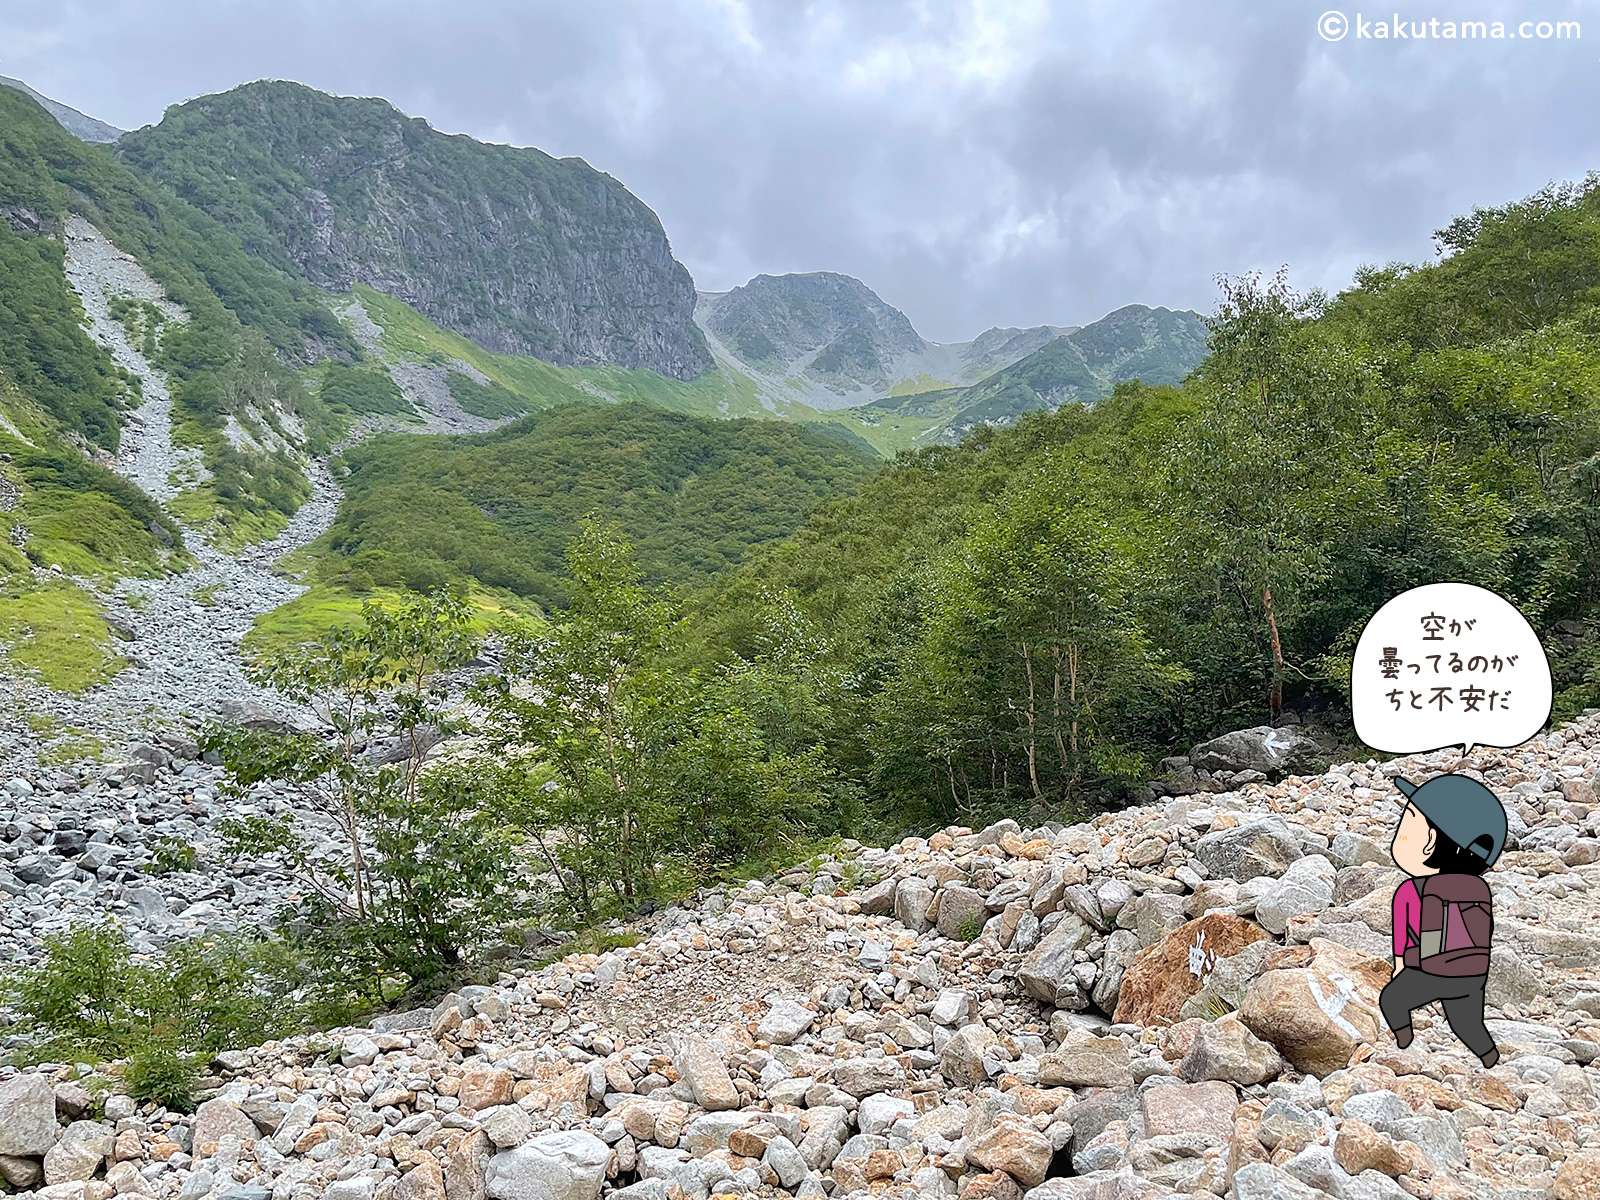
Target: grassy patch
[56,633]
[76,745]
[231,529]
[207,595]
[306,618]
[407,334]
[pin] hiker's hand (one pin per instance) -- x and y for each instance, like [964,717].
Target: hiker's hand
[1399,965]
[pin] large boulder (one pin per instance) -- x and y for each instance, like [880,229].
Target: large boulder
[1092,1062]
[1316,1004]
[1226,1050]
[1152,916]
[1265,846]
[1190,1108]
[702,1068]
[1262,748]
[216,1119]
[1166,974]
[27,1116]
[961,1060]
[568,1165]
[1047,972]
[962,913]
[912,896]
[1306,887]
[1020,1150]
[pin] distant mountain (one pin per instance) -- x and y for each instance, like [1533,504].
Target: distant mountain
[83,127]
[829,341]
[1155,345]
[521,252]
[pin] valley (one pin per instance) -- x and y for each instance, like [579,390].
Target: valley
[726,744]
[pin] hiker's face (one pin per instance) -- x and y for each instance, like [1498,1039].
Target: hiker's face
[1413,842]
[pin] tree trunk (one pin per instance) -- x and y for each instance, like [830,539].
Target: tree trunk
[1275,695]
[1033,746]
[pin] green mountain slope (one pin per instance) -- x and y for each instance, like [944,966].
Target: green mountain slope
[494,511]
[520,252]
[1156,346]
[1035,616]
[248,325]
[78,124]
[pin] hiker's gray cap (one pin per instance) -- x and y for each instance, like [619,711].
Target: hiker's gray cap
[1463,808]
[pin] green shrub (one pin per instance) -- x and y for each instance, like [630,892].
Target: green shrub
[91,999]
[172,854]
[159,1071]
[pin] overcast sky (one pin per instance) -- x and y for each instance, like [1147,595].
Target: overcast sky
[1008,162]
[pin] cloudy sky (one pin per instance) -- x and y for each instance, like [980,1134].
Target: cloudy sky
[977,162]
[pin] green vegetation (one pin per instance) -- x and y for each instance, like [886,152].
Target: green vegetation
[225,362]
[55,632]
[1031,618]
[644,764]
[407,334]
[489,400]
[1154,346]
[424,874]
[493,512]
[92,999]
[359,390]
[172,854]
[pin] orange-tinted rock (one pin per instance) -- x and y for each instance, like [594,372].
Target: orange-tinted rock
[1169,972]
[1317,1015]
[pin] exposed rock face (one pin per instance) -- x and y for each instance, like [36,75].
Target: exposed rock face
[1318,1006]
[1263,748]
[521,252]
[1168,973]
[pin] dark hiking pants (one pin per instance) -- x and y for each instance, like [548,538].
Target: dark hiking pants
[1462,996]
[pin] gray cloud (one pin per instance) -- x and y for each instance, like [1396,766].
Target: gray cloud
[977,163]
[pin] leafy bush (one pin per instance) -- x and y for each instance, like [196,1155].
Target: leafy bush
[172,854]
[624,760]
[92,999]
[158,1071]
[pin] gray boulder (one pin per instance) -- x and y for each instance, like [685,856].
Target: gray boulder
[27,1116]
[568,1165]
[1265,846]
[1306,887]
[1271,751]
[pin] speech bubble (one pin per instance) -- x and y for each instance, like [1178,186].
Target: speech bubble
[1448,664]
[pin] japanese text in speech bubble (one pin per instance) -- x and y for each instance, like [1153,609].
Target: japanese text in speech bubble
[1448,664]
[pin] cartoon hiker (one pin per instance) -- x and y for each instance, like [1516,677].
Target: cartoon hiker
[1451,832]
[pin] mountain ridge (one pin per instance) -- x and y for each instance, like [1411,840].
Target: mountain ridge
[79,124]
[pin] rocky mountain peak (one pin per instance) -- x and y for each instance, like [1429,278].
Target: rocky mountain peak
[521,252]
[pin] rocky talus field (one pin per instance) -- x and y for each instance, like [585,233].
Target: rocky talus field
[1174,999]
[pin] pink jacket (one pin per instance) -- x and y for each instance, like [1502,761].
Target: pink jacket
[1407,911]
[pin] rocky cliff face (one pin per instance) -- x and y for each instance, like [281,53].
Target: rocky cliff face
[521,252]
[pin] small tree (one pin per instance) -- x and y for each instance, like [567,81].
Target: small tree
[631,758]
[422,870]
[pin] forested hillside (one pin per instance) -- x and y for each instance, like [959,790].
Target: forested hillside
[1040,613]
[232,359]
[495,511]
[1153,345]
